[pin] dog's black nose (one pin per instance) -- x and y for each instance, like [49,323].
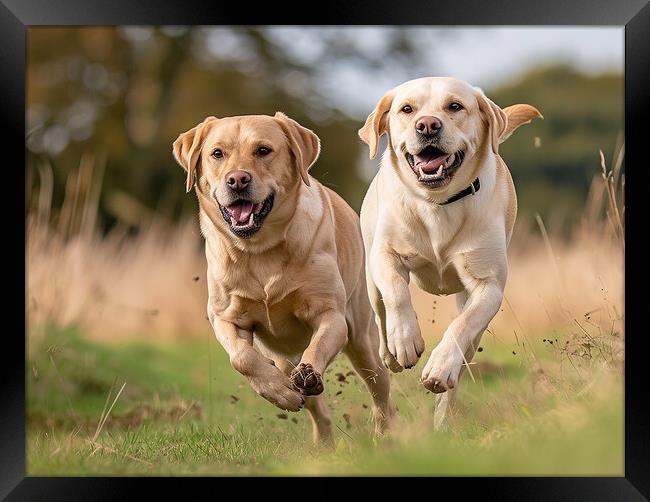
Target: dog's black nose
[428,125]
[238,180]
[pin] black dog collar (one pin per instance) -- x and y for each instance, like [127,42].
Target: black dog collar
[472,189]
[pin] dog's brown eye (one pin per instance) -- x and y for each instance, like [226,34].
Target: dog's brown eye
[407,109]
[262,151]
[217,154]
[454,107]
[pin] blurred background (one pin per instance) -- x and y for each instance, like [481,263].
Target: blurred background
[104,105]
[115,261]
[124,94]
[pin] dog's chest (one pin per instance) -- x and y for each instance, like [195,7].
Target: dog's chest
[271,310]
[271,319]
[429,249]
[428,256]
[432,275]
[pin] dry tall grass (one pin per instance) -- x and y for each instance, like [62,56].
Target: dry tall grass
[114,286]
[152,285]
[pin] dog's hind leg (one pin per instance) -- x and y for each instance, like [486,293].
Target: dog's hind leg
[320,418]
[315,405]
[362,351]
[445,402]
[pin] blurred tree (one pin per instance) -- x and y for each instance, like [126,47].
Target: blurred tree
[554,160]
[127,93]
[124,94]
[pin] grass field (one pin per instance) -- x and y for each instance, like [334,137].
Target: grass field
[535,408]
[124,376]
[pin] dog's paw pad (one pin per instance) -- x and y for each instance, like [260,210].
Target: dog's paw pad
[435,386]
[307,380]
[390,362]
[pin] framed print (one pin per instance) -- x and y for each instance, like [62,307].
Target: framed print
[376,241]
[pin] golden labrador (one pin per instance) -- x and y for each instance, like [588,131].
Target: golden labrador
[285,263]
[440,211]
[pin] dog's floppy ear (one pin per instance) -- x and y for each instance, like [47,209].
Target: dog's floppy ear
[303,142]
[496,117]
[518,115]
[377,123]
[187,149]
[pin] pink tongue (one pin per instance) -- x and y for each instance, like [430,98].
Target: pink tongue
[429,164]
[241,211]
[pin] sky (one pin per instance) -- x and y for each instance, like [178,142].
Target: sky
[483,56]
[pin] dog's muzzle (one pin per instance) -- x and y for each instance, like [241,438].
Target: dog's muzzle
[433,166]
[245,217]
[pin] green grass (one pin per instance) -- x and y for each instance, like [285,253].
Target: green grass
[184,410]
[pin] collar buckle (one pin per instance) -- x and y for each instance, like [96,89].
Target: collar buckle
[470,190]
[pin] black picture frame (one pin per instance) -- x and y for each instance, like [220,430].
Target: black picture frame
[16,16]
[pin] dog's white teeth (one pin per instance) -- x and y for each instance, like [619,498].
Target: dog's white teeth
[250,219]
[439,172]
[422,173]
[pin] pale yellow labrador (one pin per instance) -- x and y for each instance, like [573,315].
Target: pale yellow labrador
[285,263]
[440,211]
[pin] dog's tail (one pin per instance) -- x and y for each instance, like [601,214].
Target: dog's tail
[518,115]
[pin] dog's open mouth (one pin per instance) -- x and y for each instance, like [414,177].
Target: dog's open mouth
[245,217]
[434,167]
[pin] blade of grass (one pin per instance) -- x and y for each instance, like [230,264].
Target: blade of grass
[108,398]
[101,426]
[549,249]
[56,369]
[613,213]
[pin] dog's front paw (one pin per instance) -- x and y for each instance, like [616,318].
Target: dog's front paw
[442,370]
[277,388]
[307,380]
[405,344]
